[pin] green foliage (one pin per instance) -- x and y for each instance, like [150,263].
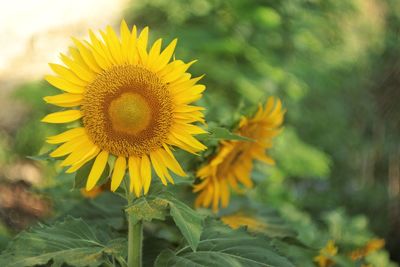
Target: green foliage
[189,222]
[72,241]
[222,246]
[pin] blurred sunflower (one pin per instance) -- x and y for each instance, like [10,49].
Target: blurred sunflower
[233,163]
[132,105]
[239,219]
[323,259]
[372,246]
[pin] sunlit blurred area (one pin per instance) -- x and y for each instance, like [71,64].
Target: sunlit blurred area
[334,64]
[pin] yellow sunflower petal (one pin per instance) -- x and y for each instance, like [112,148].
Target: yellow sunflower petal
[67,74]
[157,167]
[154,54]
[64,85]
[170,162]
[134,174]
[64,100]
[77,154]
[97,169]
[88,156]
[81,71]
[145,171]
[87,56]
[165,56]
[66,136]
[118,173]
[63,116]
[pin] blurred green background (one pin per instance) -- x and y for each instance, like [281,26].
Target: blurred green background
[336,67]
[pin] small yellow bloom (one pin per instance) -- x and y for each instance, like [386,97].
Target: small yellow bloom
[371,246]
[329,250]
[131,102]
[239,219]
[233,163]
[96,191]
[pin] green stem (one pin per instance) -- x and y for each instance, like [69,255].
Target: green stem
[135,236]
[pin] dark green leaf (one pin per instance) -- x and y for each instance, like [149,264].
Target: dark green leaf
[221,133]
[189,222]
[221,246]
[72,242]
[148,209]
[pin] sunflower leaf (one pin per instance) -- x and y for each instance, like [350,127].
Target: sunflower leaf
[72,242]
[221,133]
[221,246]
[147,209]
[189,222]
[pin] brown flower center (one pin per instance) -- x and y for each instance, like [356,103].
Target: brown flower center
[127,110]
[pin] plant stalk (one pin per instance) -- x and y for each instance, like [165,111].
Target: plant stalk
[135,236]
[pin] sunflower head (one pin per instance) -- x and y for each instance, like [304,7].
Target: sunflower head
[323,259]
[239,219]
[132,104]
[231,166]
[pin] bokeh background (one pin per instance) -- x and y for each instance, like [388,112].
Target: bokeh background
[335,65]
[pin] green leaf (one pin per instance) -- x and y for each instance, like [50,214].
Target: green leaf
[148,209]
[189,222]
[221,133]
[72,242]
[221,246]
[42,157]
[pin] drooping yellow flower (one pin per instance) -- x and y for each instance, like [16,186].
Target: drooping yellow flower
[240,219]
[329,250]
[371,246]
[127,102]
[233,163]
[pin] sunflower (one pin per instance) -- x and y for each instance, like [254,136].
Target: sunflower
[129,106]
[239,219]
[325,254]
[233,163]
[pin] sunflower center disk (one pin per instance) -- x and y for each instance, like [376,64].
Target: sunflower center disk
[127,110]
[129,113]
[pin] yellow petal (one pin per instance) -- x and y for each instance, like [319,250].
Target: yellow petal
[64,100]
[145,172]
[134,174]
[101,49]
[81,71]
[177,72]
[63,116]
[64,85]
[97,170]
[89,156]
[170,162]
[77,154]
[125,39]
[66,136]
[132,51]
[67,74]
[157,167]
[87,56]
[154,54]
[67,147]
[141,44]
[118,173]
[165,56]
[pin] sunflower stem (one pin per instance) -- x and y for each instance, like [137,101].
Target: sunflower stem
[135,236]
[135,233]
